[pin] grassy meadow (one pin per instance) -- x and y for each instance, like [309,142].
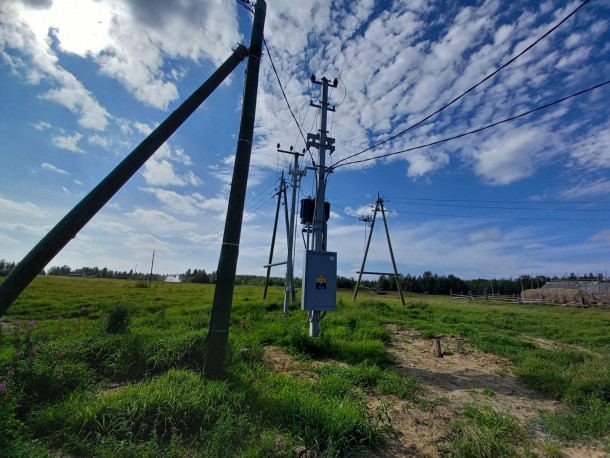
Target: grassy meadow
[95,367]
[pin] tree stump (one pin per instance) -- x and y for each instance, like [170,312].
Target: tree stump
[436,348]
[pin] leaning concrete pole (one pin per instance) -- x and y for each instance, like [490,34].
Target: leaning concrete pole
[75,220]
[218,335]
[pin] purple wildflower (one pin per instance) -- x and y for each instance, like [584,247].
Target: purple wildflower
[33,351]
[3,386]
[32,324]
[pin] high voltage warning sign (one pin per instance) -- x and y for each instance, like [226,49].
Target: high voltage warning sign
[321,282]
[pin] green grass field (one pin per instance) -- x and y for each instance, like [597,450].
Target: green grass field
[99,367]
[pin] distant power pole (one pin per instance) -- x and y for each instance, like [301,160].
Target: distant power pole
[152,263]
[281,193]
[323,143]
[297,174]
[378,208]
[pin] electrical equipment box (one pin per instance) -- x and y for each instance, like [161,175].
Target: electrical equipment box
[319,290]
[308,206]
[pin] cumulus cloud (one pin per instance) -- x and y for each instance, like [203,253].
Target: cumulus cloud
[161,173]
[191,205]
[68,142]
[21,29]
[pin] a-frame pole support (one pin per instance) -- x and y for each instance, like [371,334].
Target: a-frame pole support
[378,208]
[387,233]
[366,251]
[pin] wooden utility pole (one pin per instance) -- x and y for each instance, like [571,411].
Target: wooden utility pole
[378,208]
[218,335]
[152,263]
[281,193]
[297,174]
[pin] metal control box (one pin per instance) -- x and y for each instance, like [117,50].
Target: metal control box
[319,290]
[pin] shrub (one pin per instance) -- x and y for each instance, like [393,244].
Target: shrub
[118,320]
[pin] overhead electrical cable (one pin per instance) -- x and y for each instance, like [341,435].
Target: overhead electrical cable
[432,204]
[286,99]
[574,220]
[471,132]
[537,202]
[491,75]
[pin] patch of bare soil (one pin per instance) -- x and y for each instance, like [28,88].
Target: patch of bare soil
[552,345]
[464,375]
[287,364]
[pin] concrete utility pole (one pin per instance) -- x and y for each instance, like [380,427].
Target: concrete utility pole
[297,174]
[81,214]
[218,335]
[323,143]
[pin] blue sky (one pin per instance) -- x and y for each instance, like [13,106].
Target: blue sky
[84,82]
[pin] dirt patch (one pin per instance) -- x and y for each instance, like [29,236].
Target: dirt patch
[464,375]
[552,345]
[281,361]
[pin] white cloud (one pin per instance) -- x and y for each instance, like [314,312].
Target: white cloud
[23,228]
[18,31]
[509,158]
[602,236]
[162,173]
[132,40]
[52,168]
[587,188]
[159,222]
[99,140]
[492,234]
[41,125]
[191,205]
[22,208]
[421,164]
[68,142]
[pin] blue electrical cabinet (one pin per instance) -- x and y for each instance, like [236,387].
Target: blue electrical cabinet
[319,290]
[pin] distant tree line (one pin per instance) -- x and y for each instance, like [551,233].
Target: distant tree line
[6,267]
[427,283]
[104,272]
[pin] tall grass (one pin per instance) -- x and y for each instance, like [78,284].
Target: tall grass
[72,383]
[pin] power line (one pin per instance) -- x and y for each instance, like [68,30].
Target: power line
[286,99]
[491,75]
[500,201]
[480,129]
[574,220]
[500,208]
